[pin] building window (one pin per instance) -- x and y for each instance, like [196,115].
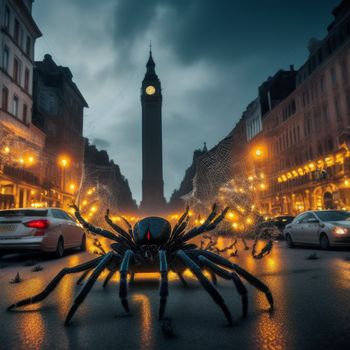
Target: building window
[15,106]
[333,76]
[5,59]
[16,71]
[5,98]
[344,70]
[17,31]
[28,44]
[325,114]
[322,83]
[7,18]
[25,109]
[26,80]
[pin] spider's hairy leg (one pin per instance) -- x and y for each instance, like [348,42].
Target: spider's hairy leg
[83,276]
[242,272]
[88,285]
[123,286]
[55,281]
[109,276]
[163,290]
[196,270]
[242,290]
[182,279]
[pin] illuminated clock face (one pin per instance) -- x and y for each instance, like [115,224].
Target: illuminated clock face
[150,90]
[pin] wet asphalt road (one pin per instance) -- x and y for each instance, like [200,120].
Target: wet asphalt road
[312,311]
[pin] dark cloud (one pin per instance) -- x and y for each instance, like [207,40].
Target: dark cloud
[211,56]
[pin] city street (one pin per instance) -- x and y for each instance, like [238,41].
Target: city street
[311,296]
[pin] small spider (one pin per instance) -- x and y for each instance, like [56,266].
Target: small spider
[152,246]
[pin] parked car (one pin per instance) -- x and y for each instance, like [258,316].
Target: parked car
[49,230]
[326,228]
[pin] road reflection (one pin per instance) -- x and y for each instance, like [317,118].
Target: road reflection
[146,341]
[30,326]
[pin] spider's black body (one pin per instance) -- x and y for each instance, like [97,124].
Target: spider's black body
[153,246]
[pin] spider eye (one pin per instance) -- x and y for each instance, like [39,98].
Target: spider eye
[148,236]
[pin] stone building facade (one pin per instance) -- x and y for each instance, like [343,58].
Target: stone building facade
[21,143]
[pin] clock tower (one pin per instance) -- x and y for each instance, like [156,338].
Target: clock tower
[153,199]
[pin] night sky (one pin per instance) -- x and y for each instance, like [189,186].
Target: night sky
[210,56]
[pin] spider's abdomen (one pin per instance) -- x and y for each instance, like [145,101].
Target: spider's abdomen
[152,230]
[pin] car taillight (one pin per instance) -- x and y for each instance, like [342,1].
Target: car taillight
[39,224]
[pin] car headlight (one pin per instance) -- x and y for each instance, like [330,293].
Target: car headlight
[340,230]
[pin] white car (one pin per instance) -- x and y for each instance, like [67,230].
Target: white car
[48,230]
[326,228]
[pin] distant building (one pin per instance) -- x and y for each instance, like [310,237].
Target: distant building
[59,112]
[104,178]
[253,119]
[178,197]
[21,143]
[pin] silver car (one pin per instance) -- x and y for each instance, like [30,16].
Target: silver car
[326,228]
[49,230]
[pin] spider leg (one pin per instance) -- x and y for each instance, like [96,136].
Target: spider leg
[196,270]
[54,282]
[242,290]
[88,285]
[163,291]
[83,276]
[132,278]
[242,272]
[123,287]
[182,278]
[108,278]
[213,277]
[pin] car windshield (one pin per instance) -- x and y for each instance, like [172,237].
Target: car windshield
[333,215]
[23,212]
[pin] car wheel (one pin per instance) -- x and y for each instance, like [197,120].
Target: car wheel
[324,241]
[60,248]
[83,244]
[289,241]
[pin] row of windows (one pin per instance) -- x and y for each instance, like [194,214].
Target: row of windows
[15,106]
[17,65]
[308,95]
[253,127]
[326,49]
[17,32]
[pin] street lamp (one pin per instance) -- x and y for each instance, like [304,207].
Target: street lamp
[63,162]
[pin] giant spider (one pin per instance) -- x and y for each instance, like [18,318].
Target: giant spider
[153,246]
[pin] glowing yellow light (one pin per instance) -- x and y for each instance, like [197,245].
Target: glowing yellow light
[21,160]
[262,175]
[311,166]
[279,179]
[190,213]
[93,209]
[231,215]
[72,187]
[250,178]
[262,186]
[258,152]
[30,160]
[235,225]
[84,202]
[249,221]
[32,192]
[7,150]
[64,162]
[346,182]
[89,192]
[201,221]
